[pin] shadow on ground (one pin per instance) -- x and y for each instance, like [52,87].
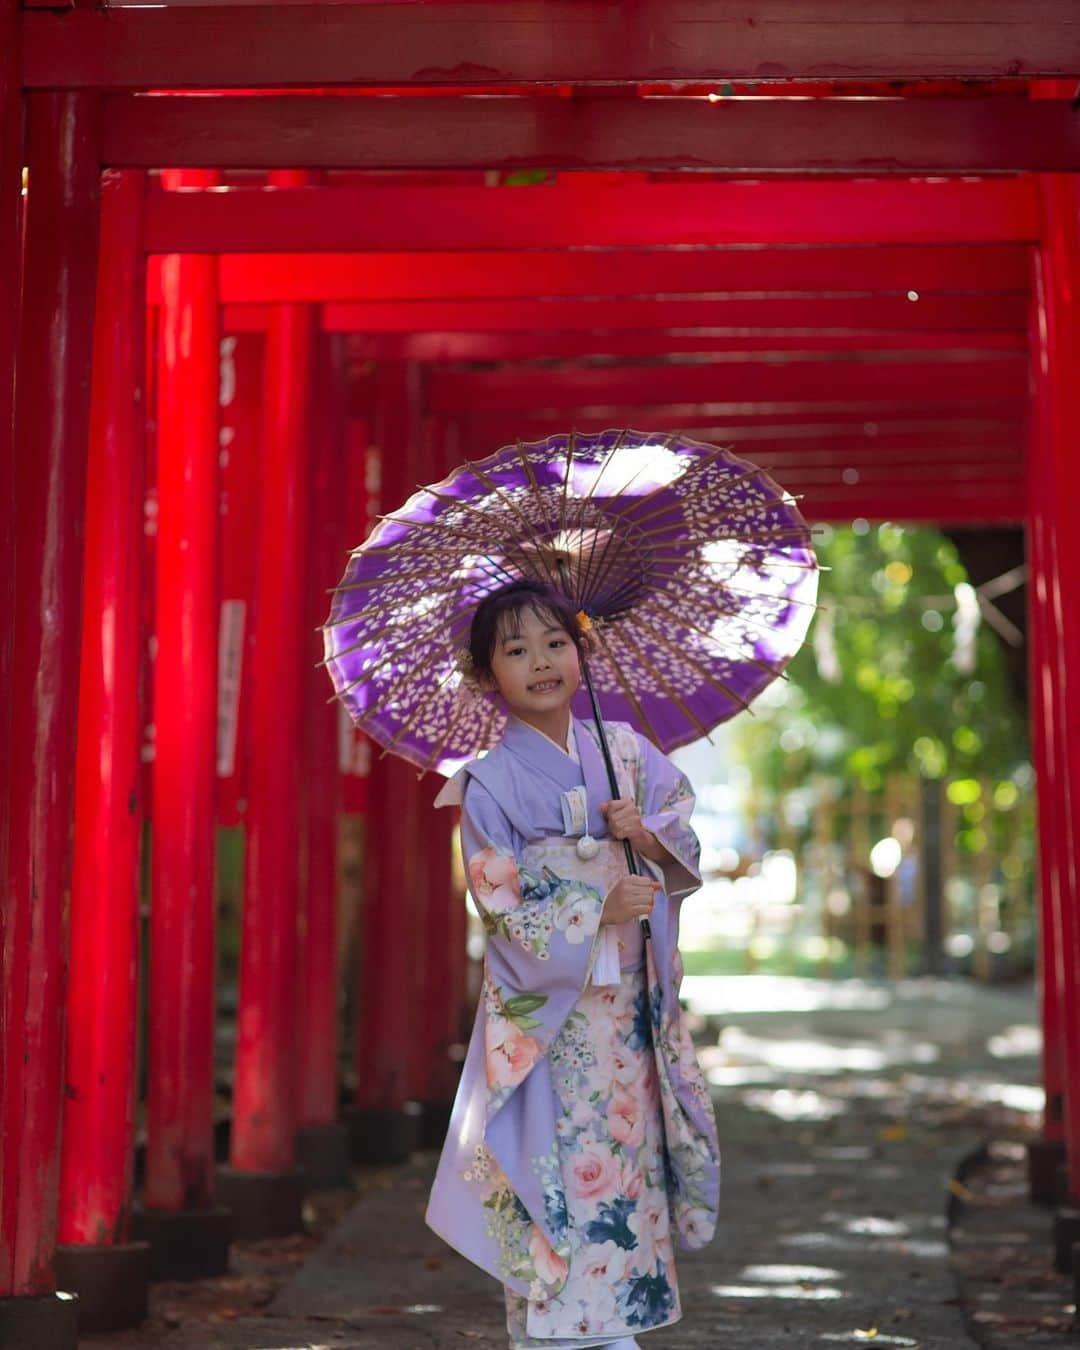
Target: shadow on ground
[844,1109]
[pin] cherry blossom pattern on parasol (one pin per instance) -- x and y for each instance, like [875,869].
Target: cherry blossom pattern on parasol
[695,567]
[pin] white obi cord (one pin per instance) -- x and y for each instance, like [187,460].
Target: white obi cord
[575,812]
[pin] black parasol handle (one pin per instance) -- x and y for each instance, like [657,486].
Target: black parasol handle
[613,782]
[631,861]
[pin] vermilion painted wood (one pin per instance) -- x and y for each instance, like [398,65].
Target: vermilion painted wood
[556,41]
[102,1001]
[655,340]
[180,1146]
[1057,366]
[585,211]
[1048,713]
[1002,506]
[753,136]
[242,367]
[264,1097]
[451,393]
[495,274]
[1047,749]
[392,946]
[965,424]
[439,348]
[52,417]
[1002,88]
[984,441]
[11,161]
[321,786]
[996,310]
[926,270]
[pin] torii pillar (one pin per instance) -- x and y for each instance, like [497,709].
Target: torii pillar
[322,1138]
[263,1184]
[11,161]
[1056,571]
[188,1232]
[96,1258]
[386,1119]
[52,419]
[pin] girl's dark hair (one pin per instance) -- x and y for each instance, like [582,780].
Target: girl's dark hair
[496,611]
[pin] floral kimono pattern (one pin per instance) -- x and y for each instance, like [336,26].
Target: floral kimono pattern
[582,1143]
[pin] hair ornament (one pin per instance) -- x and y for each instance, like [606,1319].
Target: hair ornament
[466,668]
[585,623]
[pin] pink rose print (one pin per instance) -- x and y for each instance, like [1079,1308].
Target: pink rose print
[594,1173]
[626,1121]
[510,1053]
[549,1265]
[624,1064]
[494,878]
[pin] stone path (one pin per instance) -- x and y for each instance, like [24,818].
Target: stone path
[844,1111]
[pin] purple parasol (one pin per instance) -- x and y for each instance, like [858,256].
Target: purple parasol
[695,566]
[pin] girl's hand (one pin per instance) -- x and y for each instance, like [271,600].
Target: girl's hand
[629,898]
[624,822]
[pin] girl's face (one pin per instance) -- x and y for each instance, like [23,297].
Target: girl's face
[536,666]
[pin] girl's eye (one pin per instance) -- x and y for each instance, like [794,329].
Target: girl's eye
[513,651]
[557,642]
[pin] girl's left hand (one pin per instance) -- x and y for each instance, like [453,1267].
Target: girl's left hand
[624,822]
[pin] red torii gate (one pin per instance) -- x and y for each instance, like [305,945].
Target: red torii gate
[967,275]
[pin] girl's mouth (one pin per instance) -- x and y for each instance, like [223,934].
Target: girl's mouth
[544,687]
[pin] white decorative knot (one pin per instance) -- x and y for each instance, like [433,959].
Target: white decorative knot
[587,847]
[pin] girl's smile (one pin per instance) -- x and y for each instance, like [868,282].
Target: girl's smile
[537,672]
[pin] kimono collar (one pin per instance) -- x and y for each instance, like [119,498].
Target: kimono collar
[597,787]
[525,742]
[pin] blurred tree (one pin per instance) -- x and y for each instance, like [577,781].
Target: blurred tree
[900,673]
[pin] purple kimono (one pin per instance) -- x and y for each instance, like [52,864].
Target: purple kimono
[582,1139]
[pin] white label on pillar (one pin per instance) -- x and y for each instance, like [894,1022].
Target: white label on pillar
[345,739]
[372,485]
[354,752]
[230,670]
[227,371]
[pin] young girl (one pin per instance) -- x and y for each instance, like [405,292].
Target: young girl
[582,1141]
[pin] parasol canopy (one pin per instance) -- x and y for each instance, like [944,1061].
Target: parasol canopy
[695,566]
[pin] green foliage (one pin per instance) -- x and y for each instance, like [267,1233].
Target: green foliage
[877,688]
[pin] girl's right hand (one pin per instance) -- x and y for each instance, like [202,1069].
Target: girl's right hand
[630,898]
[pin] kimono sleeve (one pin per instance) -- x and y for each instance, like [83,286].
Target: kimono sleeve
[543,933]
[665,800]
